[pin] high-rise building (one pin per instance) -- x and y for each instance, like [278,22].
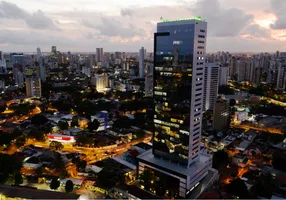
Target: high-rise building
[221,115]
[54,50]
[118,55]
[99,54]
[39,53]
[141,62]
[210,85]
[17,64]
[180,49]
[102,83]
[33,87]
[1,55]
[33,82]
[223,75]
[42,70]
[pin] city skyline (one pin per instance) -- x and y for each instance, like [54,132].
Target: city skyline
[82,26]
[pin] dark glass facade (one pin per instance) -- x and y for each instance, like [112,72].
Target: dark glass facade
[173,66]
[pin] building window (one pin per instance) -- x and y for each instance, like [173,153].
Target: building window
[196,134]
[198,99]
[201,36]
[202,31]
[200,68]
[201,47]
[199,84]
[201,42]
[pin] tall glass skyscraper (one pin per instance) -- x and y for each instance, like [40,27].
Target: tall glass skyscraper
[178,89]
[179,58]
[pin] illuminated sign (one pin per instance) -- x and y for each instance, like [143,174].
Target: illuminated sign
[183,19]
[61,138]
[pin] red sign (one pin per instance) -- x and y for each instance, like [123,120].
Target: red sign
[65,138]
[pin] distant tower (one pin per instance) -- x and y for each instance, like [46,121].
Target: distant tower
[54,50]
[99,54]
[1,55]
[141,62]
[33,87]
[42,70]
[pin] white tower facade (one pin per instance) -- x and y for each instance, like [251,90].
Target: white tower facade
[141,62]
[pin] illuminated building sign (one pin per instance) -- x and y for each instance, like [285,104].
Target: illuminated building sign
[61,138]
[183,19]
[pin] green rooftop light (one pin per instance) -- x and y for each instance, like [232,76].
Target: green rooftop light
[183,19]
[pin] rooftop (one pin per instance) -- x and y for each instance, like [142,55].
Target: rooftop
[176,167]
[32,193]
[143,145]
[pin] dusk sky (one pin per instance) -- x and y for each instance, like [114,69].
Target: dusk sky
[126,25]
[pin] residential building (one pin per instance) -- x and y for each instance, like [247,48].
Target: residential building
[223,75]
[99,54]
[33,87]
[210,85]
[141,62]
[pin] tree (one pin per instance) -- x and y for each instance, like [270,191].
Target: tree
[55,184]
[279,163]
[9,166]
[59,162]
[20,141]
[84,140]
[140,134]
[18,180]
[122,122]
[237,187]
[220,158]
[39,171]
[37,134]
[232,102]
[225,89]
[39,120]
[63,125]
[93,126]
[69,186]
[81,164]
[56,145]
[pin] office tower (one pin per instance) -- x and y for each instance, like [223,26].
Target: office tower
[17,64]
[3,67]
[99,54]
[221,115]
[69,56]
[86,70]
[1,55]
[210,86]
[39,54]
[124,55]
[141,62]
[54,51]
[149,83]
[33,87]
[117,55]
[223,75]
[42,70]
[20,79]
[2,84]
[180,49]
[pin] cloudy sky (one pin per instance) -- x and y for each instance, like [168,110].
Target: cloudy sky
[126,25]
